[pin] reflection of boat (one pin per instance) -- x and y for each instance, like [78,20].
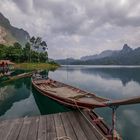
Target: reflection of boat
[68,95]
[46,105]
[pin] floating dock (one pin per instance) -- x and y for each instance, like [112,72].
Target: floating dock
[62,126]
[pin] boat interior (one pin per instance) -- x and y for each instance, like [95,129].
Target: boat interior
[69,92]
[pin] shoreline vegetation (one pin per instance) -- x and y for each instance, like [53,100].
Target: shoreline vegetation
[30,68]
[32,56]
[37,66]
[35,50]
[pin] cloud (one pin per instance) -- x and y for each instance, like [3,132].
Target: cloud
[25,5]
[77,27]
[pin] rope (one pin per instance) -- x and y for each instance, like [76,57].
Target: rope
[103,138]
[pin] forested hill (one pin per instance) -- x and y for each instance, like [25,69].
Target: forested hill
[125,56]
[9,34]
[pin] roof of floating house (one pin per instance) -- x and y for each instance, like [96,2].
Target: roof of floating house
[6,62]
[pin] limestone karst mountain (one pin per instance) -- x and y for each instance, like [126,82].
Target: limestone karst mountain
[10,34]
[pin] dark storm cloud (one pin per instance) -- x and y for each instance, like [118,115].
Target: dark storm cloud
[80,27]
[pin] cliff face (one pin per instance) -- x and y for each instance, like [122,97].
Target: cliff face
[6,37]
[10,34]
[2,35]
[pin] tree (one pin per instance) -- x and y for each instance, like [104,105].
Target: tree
[16,53]
[44,45]
[32,40]
[17,45]
[3,53]
[43,56]
[44,48]
[27,52]
[37,43]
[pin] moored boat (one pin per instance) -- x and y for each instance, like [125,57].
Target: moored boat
[68,95]
[76,98]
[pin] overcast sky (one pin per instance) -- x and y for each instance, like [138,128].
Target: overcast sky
[75,28]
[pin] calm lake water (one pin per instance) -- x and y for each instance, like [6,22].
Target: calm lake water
[19,99]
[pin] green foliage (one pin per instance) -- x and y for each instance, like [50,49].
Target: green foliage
[16,53]
[38,44]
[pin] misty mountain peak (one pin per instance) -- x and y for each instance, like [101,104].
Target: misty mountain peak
[126,48]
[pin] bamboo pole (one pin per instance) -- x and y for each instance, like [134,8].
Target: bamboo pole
[114,108]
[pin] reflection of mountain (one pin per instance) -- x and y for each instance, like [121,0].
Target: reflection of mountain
[11,95]
[69,69]
[46,105]
[124,74]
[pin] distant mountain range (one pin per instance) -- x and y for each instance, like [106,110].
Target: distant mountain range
[103,54]
[125,56]
[10,34]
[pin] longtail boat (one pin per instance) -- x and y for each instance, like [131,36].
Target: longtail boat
[75,97]
[68,95]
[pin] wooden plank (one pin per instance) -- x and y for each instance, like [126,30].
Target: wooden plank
[60,131]
[89,131]
[25,129]
[32,135]
[42,128]
[16,129]
[50,127]
[51,130]
[68,128]
[76,126]
[5,129]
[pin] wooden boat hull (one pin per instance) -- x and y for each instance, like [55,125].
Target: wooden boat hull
[69,102]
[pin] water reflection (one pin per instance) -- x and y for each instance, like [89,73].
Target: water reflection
[110,82]
[19,99]
[124,74]
[15,91]
[105,82]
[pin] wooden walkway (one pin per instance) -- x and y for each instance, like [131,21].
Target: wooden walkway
[61,126]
